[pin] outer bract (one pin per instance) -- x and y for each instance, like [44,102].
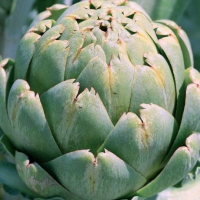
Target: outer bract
[105,103]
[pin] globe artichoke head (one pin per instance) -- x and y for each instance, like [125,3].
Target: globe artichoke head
[102,103]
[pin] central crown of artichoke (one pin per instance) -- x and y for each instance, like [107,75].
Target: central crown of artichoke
[101,75]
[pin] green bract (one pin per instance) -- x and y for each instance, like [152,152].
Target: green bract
[105,103]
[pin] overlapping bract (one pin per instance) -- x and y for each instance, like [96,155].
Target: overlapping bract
[104,105]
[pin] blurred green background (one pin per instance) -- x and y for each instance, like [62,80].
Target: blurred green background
[190,22]
[17,15]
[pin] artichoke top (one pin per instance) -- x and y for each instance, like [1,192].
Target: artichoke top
[103,98]
[112,48]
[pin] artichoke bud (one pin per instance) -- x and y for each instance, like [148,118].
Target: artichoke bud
[103,101]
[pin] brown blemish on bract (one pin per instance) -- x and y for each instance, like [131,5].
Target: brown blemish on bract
[109,12]
[143,124]
[87,29]
[173,36]
[21,95]
[119,41]
[145,134]
[77,54]
[95,162]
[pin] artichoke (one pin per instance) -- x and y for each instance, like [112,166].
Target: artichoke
[101,103]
